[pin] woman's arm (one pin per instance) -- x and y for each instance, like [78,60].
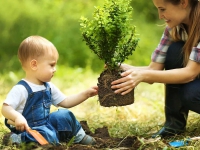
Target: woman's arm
[152,66]
[131,78]
[174,76]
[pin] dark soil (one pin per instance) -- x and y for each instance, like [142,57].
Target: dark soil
[102,137]
[104,140]
[107,97]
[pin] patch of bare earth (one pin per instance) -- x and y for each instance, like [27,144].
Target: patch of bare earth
[103,139]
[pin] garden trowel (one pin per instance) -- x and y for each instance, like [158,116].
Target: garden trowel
[34,133]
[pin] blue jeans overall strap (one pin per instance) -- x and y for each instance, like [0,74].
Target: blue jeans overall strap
[36,112]
[55,127]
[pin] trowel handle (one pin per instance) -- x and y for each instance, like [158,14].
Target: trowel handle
[11,122]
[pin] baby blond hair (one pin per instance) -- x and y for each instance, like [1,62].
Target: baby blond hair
[34,47]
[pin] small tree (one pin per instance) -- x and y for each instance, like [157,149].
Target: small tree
[110,35]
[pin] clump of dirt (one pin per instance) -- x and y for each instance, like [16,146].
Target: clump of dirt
[107,97]
[102,138]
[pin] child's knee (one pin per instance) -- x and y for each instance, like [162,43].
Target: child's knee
[61,115]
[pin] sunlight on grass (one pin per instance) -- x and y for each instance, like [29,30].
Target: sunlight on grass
[140,113]
[148,99]
[142,118]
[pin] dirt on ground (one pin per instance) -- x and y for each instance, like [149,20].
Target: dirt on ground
[103,142]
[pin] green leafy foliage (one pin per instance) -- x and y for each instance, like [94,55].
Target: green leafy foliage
[58,21]
[109,34]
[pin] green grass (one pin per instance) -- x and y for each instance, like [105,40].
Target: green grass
[140,119]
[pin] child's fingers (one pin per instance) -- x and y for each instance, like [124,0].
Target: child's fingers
[26,127]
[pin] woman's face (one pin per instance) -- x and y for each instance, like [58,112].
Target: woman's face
[172,14]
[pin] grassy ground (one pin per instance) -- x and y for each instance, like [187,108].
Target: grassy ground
[140,119]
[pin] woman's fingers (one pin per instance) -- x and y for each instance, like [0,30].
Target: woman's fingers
[117,83]
[124,88]
[124,78]
[126,83]
[126,92]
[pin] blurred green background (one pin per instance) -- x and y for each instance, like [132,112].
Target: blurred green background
[58,21]
[78,66]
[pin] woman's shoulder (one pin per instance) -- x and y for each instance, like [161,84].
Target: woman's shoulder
[167,31]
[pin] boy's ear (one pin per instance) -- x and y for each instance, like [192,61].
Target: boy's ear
[33,64]
[184,3]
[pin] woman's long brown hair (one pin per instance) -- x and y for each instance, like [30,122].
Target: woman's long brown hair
[193,28]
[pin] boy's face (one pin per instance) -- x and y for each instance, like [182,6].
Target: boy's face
[46,66]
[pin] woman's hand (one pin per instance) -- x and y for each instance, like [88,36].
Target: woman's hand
[126,67]
[133,76]
[130,79]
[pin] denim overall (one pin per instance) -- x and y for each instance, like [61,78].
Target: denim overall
[55,127]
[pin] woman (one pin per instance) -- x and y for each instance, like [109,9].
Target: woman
[175,62]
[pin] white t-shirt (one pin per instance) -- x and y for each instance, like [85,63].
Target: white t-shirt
[18,95]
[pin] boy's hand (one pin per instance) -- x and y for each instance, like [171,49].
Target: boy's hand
[21,123]
[93,91]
